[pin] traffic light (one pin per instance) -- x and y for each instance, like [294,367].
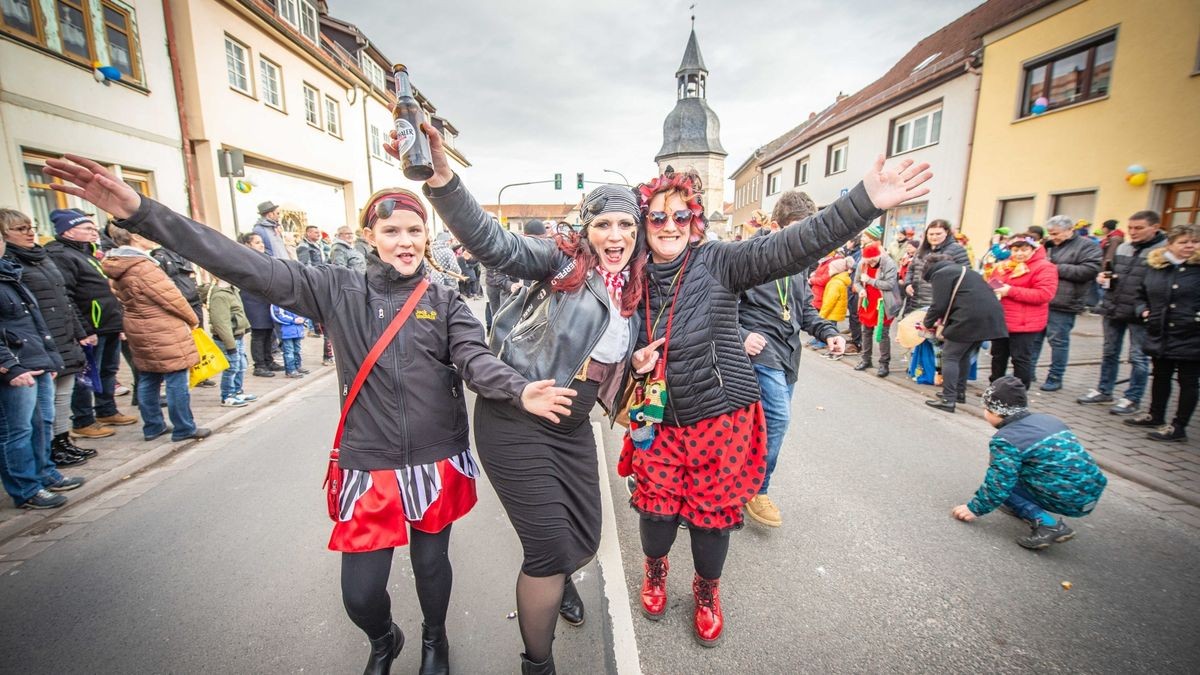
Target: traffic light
[558,181]
[579,181]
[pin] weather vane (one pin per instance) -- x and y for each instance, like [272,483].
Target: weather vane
[692,7]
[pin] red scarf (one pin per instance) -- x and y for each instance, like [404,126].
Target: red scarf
[614,282]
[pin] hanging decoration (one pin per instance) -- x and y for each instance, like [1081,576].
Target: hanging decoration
[243,186]
[105,74]
[1040,105]
[1135,175]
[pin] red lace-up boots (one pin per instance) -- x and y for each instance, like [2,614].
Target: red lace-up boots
[710,622]
[654,588]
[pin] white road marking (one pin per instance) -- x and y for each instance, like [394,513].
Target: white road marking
[620,615]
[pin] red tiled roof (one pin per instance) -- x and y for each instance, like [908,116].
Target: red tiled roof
[543,211]
[942,55]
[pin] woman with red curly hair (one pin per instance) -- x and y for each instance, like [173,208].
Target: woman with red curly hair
[697,445]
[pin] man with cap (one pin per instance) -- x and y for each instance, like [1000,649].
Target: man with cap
[270,230]
[903,236]
[1037,467]
[75,253]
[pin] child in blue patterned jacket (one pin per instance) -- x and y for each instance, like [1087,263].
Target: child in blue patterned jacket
[291,334]
[1037,467]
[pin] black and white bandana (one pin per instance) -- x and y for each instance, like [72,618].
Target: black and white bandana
[608,198]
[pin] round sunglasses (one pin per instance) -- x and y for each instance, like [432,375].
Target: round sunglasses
[658,219]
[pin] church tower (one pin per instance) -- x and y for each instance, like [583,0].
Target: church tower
[692,133]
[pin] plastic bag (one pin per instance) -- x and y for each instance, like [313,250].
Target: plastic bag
[212,359]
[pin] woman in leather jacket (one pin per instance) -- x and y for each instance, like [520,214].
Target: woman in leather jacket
[572,326]
[407,429]
[700,455]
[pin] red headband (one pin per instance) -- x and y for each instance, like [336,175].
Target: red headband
[404,202]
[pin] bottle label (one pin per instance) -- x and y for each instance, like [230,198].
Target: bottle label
[406,136]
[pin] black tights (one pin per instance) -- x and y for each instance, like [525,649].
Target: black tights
[538,600]
[365,578]
[709,548]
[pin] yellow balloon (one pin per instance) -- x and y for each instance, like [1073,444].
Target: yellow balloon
[1137,179]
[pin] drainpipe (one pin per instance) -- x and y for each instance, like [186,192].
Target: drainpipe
[962,208]
[195,206]
[367,141]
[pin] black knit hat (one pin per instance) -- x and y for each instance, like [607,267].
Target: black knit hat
[1006,396]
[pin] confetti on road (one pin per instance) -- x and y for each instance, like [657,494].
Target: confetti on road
[1066,585]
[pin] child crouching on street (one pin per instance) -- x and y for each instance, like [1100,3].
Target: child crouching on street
[1037,467]
[291,335]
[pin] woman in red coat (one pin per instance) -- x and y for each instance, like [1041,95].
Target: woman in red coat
[1025,284]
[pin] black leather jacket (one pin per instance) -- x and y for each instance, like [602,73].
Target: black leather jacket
[546,350]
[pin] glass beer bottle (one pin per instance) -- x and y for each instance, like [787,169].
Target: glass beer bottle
[413,145]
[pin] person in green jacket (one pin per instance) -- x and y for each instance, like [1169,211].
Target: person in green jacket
[228,323]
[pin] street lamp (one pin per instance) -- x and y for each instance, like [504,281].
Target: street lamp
[623,178]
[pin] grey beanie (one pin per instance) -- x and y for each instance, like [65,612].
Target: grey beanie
[1006,397]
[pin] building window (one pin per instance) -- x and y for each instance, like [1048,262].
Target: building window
[773,180]
[333,117]
[802,171]
[312,112]
[835,161]
[916,131]
[270,80]
[1079,73]
[376,143]
[308,20]
[43,199]
[20,17]
[237,64]
[118,32]
[288,11]
[1077,205]
[138,180]
[1016,214]
[373,71]
[74,31]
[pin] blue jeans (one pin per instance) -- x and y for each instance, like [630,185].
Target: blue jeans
[1027,507]
[777,406]
[291,354]
[86,406]
[233,376]
[24,469]
[43,430]
[179,404]
[1058,334]
[1114,336]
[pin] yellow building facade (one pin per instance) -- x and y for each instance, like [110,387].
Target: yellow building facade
[1074,94]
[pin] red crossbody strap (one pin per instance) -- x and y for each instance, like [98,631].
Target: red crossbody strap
[377,351]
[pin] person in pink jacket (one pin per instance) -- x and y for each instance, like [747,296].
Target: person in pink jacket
[1025,284]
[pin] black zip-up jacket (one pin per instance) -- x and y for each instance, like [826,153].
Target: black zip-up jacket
[411,409]
[708,372]
[1078,260]
[1171,293]
[180,271]
[1128,266]
[760,310]
[41,276]
[25,342]
[87,286]
[973,314]
[550,350]
[922,291]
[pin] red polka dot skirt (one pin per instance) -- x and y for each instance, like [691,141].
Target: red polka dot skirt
[703,473]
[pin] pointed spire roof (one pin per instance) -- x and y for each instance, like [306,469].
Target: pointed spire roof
[692,60]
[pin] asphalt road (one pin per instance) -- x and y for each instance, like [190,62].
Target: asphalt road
[219,566]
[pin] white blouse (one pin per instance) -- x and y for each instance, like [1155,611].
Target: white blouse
[614,343]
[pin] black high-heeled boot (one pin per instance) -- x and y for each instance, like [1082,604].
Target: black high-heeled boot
[571,609]
[544,668]
[384,650]
[435,651]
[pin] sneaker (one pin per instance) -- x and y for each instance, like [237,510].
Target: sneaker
[1143,420]
[762,510]
[247,397]
[234,401]
[303,371]
[151,437]
[121,390]
[206,383]
[117,420]
[198,434]
[92,431]
[1095,396]
[66,484]
[263,372]
[1124,407]
[1170,433]
[327,362]
[44,499]
[1041,536]
[1051,385]
[295,375]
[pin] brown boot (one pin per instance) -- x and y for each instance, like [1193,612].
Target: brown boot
[92,431]
[117,420]
[762,510]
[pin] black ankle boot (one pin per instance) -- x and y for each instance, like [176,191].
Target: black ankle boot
[384,650]
[61,455]
[86,453]
[571,609]
[435,651]
[544,668]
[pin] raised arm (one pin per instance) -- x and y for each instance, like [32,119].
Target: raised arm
[283,282]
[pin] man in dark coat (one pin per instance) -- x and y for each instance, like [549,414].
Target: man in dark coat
[970,314]
[1078,261]
[267,226]
[1123,277]
[262,327]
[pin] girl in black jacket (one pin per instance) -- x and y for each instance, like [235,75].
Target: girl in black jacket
[700,457]
[43,278]
[407,430]
[1169,301]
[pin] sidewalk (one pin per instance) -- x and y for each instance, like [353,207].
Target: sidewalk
[125,453]
[1170,469]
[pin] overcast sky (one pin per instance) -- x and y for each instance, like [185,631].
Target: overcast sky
[539,87]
